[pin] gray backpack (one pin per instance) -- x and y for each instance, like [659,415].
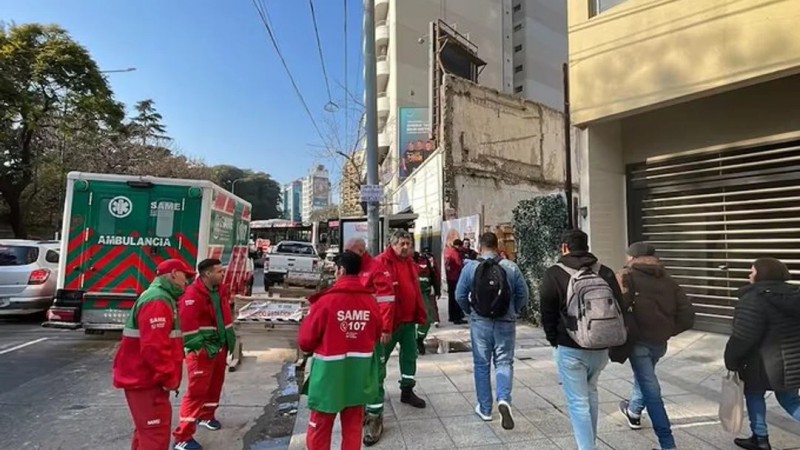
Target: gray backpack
[594,319]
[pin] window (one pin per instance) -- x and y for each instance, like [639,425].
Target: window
[599,6]
[518,89]
[517,7]
[517,27]
[51,256]
[518,48]
[518,69]
[13,255]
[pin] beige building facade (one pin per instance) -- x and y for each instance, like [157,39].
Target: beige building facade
[689,118]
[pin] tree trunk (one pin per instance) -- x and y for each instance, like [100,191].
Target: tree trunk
[15,214]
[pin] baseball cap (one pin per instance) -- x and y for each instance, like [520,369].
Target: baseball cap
[171,265]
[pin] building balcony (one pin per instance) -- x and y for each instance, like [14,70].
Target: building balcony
[381,9]
[384,141]
[381,33]
[383,71]
[383,110]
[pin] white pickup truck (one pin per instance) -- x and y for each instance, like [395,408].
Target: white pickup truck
[299,260]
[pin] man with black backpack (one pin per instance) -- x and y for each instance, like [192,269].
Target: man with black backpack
[493,292]
[582,319]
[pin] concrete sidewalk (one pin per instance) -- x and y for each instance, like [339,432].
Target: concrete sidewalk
[690,374]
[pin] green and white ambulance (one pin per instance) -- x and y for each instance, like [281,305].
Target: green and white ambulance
[118,228]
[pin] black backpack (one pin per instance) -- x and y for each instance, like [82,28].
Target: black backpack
[490,296]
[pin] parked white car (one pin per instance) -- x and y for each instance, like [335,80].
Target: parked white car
[27,276]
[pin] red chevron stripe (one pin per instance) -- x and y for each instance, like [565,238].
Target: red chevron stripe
[219,201]
[230,205]
[106,260]
[76,242]
[112,274]
[188,244]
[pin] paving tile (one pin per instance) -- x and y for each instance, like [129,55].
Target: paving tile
[450,405]
[469,431]
[539,444]
[464,382]
[568,443]
[425,434]
[436,385]
[524,398]
[626,440]
[392,438]
[553,394]
[406,412]
[524,430]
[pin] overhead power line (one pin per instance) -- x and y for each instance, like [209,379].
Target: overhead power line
[346,87]
[264,15]
[331,106]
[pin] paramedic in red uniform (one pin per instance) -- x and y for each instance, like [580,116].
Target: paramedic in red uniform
[375,277]
[206,321]
[341,330]
[149,362]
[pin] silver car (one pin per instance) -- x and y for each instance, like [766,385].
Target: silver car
[28,272]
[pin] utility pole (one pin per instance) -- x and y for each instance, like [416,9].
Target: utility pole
[371,90]
[568,151]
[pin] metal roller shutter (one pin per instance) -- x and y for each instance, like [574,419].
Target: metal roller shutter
[710,215]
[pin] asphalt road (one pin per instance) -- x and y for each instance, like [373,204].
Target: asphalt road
[56,391]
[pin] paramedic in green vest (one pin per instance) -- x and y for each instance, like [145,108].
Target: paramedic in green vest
[408,312]
[430,286]
[207,324]
[341,330]
[149,362]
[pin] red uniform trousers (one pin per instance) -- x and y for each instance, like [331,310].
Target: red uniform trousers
[206,376]
[320,429]
[152,418]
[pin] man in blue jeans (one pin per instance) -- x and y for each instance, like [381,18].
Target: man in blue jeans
[661,310]
[579,368]
[493,339]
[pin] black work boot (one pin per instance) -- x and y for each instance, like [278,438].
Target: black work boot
[373,429]
[421,345]
[408,397]
[754,443]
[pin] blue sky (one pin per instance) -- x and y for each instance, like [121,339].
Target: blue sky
[214,74]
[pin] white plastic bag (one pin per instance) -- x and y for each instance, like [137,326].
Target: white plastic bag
[731,404]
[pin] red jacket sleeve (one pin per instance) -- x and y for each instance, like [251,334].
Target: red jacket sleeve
[155,326]
[375,316]
[312,328]
[383,283]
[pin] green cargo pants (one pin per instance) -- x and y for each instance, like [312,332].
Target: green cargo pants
[422,330]
[406,336]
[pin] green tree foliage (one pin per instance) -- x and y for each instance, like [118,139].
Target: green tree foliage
[147,126]
[257,188]
[58,114]
[44,77]
[538,225]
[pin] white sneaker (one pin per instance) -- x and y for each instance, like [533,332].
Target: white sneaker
[481,415]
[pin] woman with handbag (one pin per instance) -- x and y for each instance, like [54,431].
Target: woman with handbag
[765,346]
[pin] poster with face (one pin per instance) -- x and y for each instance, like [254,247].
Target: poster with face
[461,228]
[414,140]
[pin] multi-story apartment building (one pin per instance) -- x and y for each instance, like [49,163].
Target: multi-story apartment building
[353,172]
[316,191]
[292,201]
[690,136]
[522,42]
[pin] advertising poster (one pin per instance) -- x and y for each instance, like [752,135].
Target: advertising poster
[349,229]
[322,192]
[415,144]
[461,228]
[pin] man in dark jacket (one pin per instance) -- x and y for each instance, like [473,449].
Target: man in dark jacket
[661,310]
[579,368]
[765,346]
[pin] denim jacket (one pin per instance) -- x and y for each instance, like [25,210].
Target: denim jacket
[516,282]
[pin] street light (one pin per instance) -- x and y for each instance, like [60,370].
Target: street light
[233,185]
[129,69]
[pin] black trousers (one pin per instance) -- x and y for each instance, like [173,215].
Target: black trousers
[454,312]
